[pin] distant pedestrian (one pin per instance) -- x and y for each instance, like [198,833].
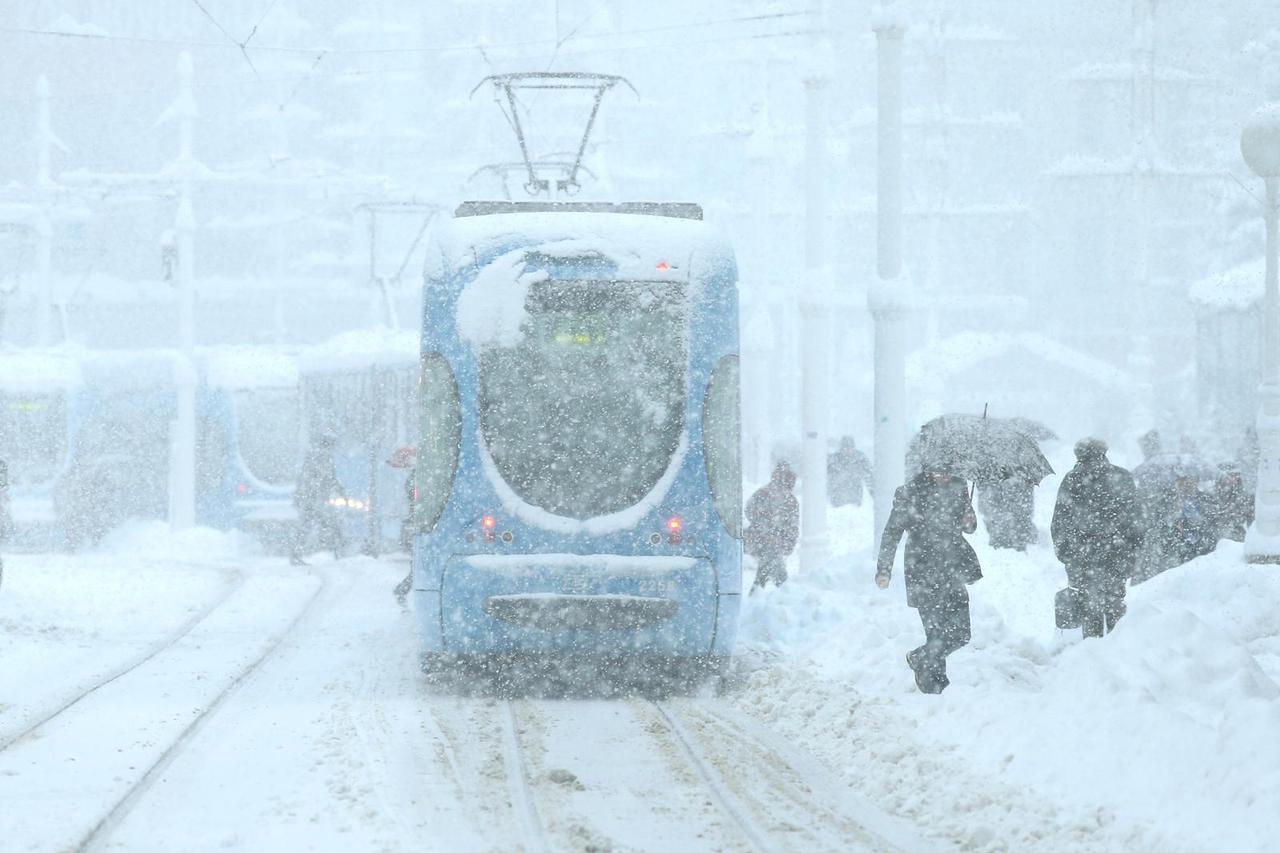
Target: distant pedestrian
[1232,505]
[317,485]
[933,509]
[773,526]
[1096,533]
[1008,509]
[848,473]
[1149,443]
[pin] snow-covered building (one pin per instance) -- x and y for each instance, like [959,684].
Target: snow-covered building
[1228,350]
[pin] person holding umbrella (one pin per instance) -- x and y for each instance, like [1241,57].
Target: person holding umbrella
[935,510]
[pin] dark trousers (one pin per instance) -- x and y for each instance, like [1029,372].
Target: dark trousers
[770,567]
[945,616]
[322,521]
[1101,597]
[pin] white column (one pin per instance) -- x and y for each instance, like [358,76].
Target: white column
[182,455]
[889,297]
[1262,544]
[815,312]
[1260,145]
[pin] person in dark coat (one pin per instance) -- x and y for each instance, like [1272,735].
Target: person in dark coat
[934,511]
[773,519]
[1232,505]
[1008,507]
[1096,531]
[848,472]
[317,484]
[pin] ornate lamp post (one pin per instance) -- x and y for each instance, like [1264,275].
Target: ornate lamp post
[1260,145]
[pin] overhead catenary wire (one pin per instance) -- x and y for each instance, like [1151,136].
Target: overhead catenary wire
[357,51]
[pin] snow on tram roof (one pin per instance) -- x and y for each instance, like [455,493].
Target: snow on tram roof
[627,238]
[245,367]
[362,349]
[31,371]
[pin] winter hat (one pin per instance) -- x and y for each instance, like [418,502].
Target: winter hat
[1090,449]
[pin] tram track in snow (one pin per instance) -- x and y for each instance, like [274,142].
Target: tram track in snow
[101,831]
[518,788]
[729,803]
[235,582]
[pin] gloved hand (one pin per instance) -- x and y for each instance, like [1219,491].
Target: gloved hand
[882,579]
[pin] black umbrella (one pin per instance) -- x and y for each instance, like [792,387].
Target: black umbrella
[978,448]
[1034,430]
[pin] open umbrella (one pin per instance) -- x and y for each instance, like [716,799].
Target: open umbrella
[979,449]
[1035,430]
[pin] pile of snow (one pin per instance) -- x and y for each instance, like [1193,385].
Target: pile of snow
[1161,736]
[156,541]
[491,308]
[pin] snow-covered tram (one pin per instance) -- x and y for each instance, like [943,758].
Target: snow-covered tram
[578,476]
[39,404]
[249,440]
[360,390]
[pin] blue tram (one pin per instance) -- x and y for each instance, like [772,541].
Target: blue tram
[578,477]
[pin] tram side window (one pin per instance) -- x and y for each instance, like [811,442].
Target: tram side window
[33,436]
[440,410]
[267,433]
[721,430]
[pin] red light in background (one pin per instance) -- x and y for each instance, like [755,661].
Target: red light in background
[242,488]
[488,522]
[663,266]
[673,524]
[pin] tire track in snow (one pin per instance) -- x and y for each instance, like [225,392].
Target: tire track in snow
[235,581]
[113,818]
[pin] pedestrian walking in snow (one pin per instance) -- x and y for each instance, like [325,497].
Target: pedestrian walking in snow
[848,472]
[1096,532]
[317,485]
[1007,508]
[773,526]
[933,509]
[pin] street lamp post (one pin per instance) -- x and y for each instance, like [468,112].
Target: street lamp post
[889,297]
[815,309]
[1260,145]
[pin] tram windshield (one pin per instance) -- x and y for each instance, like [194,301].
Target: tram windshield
[583,415]
[33,437]
[268,426]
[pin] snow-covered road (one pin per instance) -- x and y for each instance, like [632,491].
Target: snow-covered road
[202,701]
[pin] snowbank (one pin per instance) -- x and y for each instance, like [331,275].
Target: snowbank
[1162,736]
[154,540]
[38,371]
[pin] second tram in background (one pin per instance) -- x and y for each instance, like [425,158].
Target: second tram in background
[578,477]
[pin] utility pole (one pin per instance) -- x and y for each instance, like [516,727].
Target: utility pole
[46,140]
[815,307]
[182,455]
[889,297]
